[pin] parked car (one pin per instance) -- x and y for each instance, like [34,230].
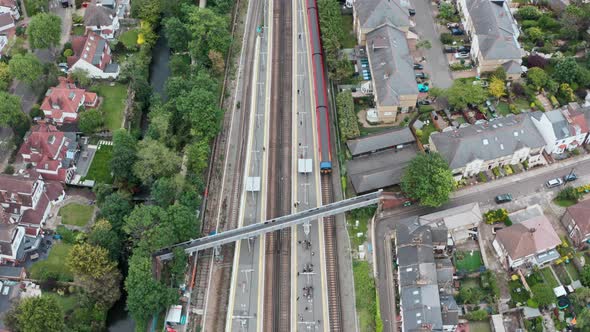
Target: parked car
[464,49]
[453,25]
[65,3]
[490,106]
[554,183]
[504,198]
[418,66]
[461,55]
[63,67]
[450,49]
[424,102]
[423,88]
[421,75]
[457,32]
[412,11]
[570,177]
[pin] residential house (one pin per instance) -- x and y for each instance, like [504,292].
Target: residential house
[93,55]
[10,7]
[62,103]
[11,237]
[460,222]
[101,20]
[493,31]
[562,129]
[378,161]
[28,200]
[392,71]
[369,15]
[50,152]
[576,221]
[496,143]
[425,304]
[6,22]
[528,243]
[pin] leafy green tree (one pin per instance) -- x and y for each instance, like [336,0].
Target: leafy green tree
[343,70]
[217,62]
[101,191]
[155,160]
[462,93]
[497,88]
[164,191]
[26,68]
[147,10]
[145,295]
[583,319]
[347,119]
[81,78]
[159,126]
[199,109]
[143,219]
[543,294]
[446,11]
[176,33]
[566,70]
[185,223]
[36,314]
[10,109]
[332,31]
[96,273]
[537,77]
[4,76]
[178,264]
[198,156]
[585,276]
[209,31]
[44,31]
[428,179]
[103,235]
[37,6]
[114,209]
[424,43]
[124,156]
[91,120]
[528,13]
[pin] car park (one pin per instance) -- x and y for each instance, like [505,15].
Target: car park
[418,66]
[554,183]
[570,177]
[457,32]
[504,198]
[461,55]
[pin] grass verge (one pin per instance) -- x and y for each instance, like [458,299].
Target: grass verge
[366,296]
[100,170]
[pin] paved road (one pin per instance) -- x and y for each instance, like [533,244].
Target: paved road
[518,185]
[436,63]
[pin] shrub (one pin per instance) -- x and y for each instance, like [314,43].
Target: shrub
[482,177]
[9,169]
[495,216]
[575,152]
[518,89]
[508,170]
[68,52]
[446,38]
[528,13]
[508,222]
[525,164]
[496,171]
[477,315]
[532,303]
[569,194]
[347,119]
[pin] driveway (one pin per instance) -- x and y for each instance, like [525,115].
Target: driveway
[436,63]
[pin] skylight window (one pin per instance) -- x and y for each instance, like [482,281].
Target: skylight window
[485,141]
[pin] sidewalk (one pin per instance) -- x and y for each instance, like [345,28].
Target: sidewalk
[516,178]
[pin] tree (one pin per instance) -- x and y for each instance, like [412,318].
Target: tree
[462,93]
[10,109]
[155,160]
[580,297]
[428,179]
[44,31]
[36,314]
[198,108]
[147,10]
[124,156]
[37,6]
[159,126]
[217,62]
[543,294]
[535,60]
[101,191]
[178,264]
[528,13]
[95,273]
[4,76]
[342,70]
[26,68]
[81,78]
[176,33]
[585,276]
[103,235]
[114,209]
[425,44]
[566,70]
[567,92]
[535,34]
[164,191]
[91,120]
[209,31]
[446,11]
[497,88]
[470,295]
[583,320]
[537,77]
[198,156]
[184,221]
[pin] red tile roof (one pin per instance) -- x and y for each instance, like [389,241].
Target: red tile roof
[5,20]
[35,216]
[581,215]
[529,237]
[8,3]
[85,47]
[44,144]
[19,187]
[65,97]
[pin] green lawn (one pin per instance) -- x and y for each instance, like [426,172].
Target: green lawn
[366,297]
[113,103]
[100,170]
[549,277]
[517,291]
[426,131]
[467,261]
[480,326]
[76,214]
[349,40]
[564,202]
[129,39]
[67,302]
[571,268]
[503,108]
[522,104]
[54,266]
[78,30]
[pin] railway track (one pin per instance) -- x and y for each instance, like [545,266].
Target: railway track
[277,304]
[334,302]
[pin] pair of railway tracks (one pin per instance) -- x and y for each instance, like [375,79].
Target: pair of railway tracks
[277,299]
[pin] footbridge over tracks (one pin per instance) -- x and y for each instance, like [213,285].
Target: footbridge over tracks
[271,225]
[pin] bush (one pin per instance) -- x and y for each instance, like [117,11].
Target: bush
[508,170]
[68,52]
[532,303]
[528,13]
[495,216]
[508,222]
[575,152]
[9,169]
[525,164]
[537,61]
[496,171]
[477,315]
[518,89]
[569,194]
[446,38]
[347,119]
[482,177]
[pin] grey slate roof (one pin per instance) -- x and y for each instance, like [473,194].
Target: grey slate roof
[559,124]
[392,67]
[493,27]
[498,138]
[512,67]
[98,16]
[384,140]
[111,68]
[373,13]
[379,170]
